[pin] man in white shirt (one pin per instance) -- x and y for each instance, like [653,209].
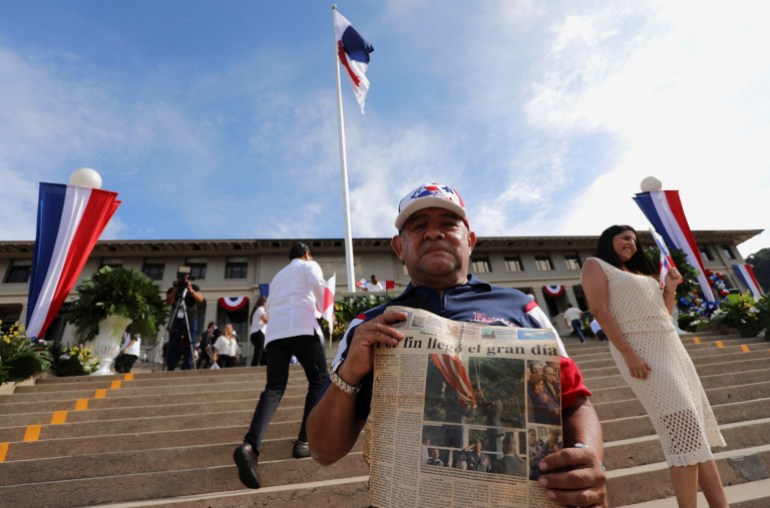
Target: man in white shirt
[572,317]
[373,285]
[294,292]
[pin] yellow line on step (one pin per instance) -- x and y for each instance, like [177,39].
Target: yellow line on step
[696,340]
[129,376]
[720,344]
[100,393]
[32,433]
[81,404]
[115,385]
[744,348]
[59,417]
[3,451]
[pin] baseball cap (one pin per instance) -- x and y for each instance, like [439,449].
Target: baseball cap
[430,195]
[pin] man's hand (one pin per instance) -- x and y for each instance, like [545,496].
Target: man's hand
[584,482]
[366,336]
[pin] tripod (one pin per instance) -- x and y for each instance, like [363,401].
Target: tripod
[174,333]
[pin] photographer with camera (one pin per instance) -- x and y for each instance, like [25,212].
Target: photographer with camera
[184,297]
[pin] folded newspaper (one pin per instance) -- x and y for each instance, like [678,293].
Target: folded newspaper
[461,415]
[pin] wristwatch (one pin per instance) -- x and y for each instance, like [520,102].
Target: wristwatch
[344,385]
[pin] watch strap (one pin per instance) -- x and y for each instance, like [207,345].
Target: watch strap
[344,385]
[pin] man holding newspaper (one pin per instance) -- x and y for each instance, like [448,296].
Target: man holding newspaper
[435,243]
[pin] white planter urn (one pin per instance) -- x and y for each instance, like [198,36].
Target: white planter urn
[107,343]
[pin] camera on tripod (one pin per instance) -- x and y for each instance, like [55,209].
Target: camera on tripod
[182,276]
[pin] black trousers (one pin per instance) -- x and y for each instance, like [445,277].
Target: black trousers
[310,353]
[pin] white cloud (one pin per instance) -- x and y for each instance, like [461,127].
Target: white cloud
[674,102]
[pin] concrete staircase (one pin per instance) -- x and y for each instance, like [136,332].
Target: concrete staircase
[166,438]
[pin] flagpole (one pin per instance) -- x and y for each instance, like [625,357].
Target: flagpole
[344,164]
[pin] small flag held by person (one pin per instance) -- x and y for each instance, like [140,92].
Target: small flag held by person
[327,308]
[353,52]
[666,261]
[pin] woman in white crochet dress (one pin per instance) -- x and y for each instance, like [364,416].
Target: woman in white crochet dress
[624,295]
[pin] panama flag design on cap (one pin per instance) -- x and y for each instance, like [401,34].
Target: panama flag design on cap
[353,51]
[431,195]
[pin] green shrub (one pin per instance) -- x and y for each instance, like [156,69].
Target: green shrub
[21,357]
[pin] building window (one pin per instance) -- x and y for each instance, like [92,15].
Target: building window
[543,263]
[728,251]
[197,268]
[111,262]
[236,268]
[19,272]
[513,264]
[153,270]
[705,253]
[480,265]
[573,262]
[9,314]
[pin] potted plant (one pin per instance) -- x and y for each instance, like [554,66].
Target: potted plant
[113,301]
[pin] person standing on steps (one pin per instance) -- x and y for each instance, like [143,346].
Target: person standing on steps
[572,317]
[293,331]
[257,331]
[626,298]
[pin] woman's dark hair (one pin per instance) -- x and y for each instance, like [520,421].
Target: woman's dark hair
[298,250]
[606,251]
[261,301]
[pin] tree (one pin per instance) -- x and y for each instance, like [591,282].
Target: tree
[760,263]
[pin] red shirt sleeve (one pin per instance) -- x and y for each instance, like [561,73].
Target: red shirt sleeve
[572,385]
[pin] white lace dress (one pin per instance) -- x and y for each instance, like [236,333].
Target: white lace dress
[672,393]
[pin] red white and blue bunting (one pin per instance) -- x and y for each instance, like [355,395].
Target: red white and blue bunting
[233,303]
[553,290]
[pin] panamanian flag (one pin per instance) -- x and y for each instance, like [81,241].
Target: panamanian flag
[666,261]
[353,51]
[664,210]
[70,220]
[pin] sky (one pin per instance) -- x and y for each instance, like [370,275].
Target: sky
[218,119]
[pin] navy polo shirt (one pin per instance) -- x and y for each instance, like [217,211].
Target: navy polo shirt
[475,301]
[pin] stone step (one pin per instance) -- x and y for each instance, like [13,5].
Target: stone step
[755,494]
[295,403]
[636,426]
[722,395]
[615,388]
[274,451]
[653,482]
[748,369]
[178,482]
[128,391]
[698,356]
[690,343]
[111,401]
[213,433]
[133,426]
[712,366]
[647,450]
[755,373]
[339,493]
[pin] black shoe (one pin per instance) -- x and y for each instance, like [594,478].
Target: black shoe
[247,460]
[300,450]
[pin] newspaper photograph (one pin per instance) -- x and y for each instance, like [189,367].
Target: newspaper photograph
[461,415]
